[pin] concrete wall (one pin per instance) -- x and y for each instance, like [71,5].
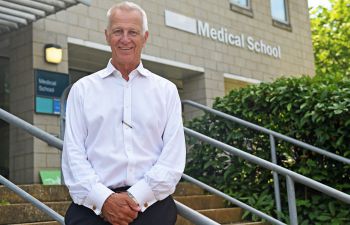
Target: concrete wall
[21,104]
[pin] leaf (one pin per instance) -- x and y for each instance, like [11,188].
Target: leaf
[331,208]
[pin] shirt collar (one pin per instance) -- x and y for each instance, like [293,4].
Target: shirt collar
[110,69]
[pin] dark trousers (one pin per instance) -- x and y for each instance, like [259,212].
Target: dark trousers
[160,213]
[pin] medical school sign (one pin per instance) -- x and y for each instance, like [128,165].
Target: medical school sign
[49,87]
[222,35]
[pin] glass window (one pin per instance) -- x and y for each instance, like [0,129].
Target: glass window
[241,3]
[279,10]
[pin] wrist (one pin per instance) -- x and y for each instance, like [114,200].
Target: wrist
[132,197]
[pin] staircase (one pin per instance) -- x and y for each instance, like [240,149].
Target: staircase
[14,210]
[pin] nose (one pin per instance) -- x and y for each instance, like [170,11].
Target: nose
[125,37]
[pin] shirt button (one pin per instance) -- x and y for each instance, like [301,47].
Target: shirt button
[94,207]
[145,205]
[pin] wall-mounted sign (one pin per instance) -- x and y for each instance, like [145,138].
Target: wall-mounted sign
[50,177]
[49,87]
[222,34]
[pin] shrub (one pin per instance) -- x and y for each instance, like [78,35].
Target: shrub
[312,110]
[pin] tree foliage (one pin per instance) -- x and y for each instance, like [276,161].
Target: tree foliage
[313,110]
[331,38]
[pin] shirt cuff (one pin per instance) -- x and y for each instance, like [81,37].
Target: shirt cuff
[143,194]
[96,197]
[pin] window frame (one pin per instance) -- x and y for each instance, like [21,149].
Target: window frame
[245,10]
[286,25]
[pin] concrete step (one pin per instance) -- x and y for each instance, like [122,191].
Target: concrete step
[57,197]
[222,216]
[184,188]
[55,193]
[179,222]
[27,213]
[44,193]
[248,223]
[201,201]
[38,223]
[31,214]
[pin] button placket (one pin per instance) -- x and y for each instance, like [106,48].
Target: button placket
[127,127]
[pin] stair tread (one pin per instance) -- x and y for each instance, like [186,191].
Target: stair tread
[38,223]
[60,192]
[27,203]
[201,201]
[247,223]
[219,209]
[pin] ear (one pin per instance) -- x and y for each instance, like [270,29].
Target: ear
[107,36]
[145,38]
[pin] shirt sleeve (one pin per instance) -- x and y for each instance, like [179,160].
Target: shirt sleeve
[160,182]
[82,181]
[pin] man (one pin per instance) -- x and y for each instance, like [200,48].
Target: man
[124,146]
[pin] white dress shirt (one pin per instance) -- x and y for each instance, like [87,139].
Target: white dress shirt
[123,133]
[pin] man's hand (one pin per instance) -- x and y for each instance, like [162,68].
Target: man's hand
[120,209]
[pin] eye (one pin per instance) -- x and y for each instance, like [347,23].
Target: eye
[133,33]
[118,32]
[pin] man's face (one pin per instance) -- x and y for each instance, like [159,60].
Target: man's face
[125,37]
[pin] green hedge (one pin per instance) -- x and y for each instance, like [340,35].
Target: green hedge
[313,110]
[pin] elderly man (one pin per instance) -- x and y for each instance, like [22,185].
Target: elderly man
[124,146]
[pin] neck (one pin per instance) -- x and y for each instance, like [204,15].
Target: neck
[124,69]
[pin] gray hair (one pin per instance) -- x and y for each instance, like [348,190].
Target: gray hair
[130,6]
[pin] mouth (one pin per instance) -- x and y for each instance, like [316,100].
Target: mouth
[125,48]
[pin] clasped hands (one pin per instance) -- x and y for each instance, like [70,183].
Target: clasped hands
[120,209]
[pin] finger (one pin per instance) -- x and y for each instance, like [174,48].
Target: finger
[123,223]
[135,208]
[132,204]
[128,212]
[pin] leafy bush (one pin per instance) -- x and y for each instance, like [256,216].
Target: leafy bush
[313,110]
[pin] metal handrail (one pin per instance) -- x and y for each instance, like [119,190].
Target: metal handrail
[268,131]
[272,135]
[184,211]
[290,175]
[54,215]
[232,200]
[190,214]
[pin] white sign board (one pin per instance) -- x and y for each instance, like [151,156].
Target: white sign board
[222,34]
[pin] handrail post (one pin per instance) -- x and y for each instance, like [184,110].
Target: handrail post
[276,182]
[293,217]
[267,131]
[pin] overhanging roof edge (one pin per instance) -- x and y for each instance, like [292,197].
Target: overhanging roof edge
[85,2]
[21,10]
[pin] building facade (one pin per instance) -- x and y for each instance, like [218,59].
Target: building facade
[205,47]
